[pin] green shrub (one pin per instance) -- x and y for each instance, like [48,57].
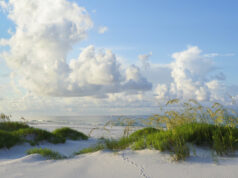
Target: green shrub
[47,153]
[69,133]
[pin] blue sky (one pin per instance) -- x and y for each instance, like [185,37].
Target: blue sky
[134,27]
[163,27]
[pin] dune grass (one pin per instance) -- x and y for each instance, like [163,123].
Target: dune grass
[174,130]
[30,135]
[7,140]
[219,138]
[47,153]
[13,126]
[69,133]
[13,133]
[35,135]
[91,149]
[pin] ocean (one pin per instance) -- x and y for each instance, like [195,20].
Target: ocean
[95,126]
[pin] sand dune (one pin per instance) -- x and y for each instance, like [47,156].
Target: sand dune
[125,164]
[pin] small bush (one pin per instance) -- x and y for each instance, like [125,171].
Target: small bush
[47,153]
[69,133]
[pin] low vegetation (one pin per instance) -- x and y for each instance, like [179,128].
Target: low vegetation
[12,126]
[13,133]
[8,139]
[47,153]
[35,135]
[173,131]
[69,133]
[220,138]
[91,149]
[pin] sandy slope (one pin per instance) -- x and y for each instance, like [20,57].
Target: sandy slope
[125,164]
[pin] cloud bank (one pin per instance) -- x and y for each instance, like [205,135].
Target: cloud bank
[191,74]
[45,33]
[144,60]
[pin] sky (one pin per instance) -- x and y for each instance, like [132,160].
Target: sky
[100,57]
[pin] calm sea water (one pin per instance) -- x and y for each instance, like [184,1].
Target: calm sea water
[79,120]
[84,123]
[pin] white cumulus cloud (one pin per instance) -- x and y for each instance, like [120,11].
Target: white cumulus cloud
[191,78]
[144,60]
[3,4]
[45,33]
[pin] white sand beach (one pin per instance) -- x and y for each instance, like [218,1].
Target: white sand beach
[14,163]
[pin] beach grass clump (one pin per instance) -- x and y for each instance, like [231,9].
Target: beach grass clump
[126,141]
[154,139]
[36,135]
[69,133]
[13,133]
[13,126]
[4,117]
[91,149]
[116,145]
[191,123]
[219,138]
[47,153]
[7,139]
[143,132]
